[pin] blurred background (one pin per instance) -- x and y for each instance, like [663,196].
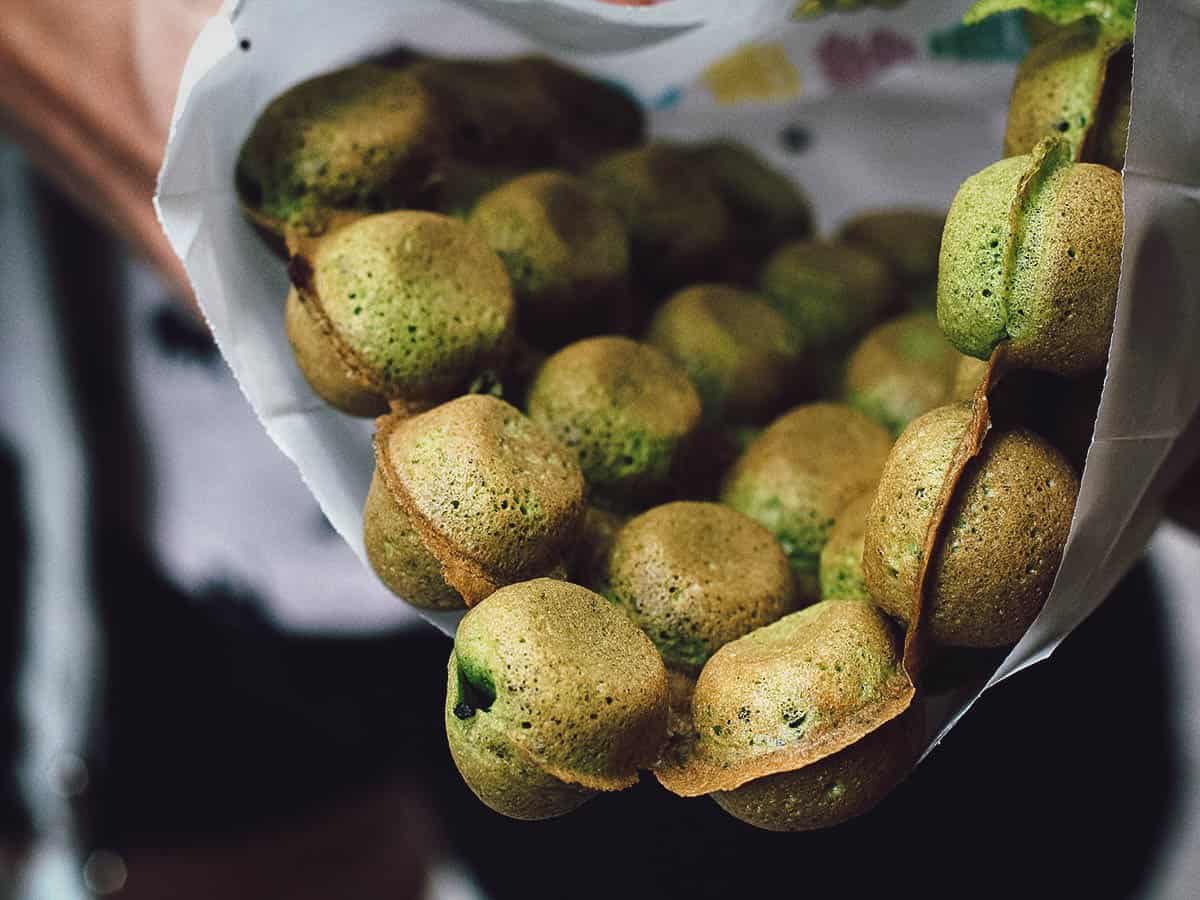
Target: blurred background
[167,731]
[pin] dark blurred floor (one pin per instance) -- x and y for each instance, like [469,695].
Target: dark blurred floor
[1065,771]
[14,538]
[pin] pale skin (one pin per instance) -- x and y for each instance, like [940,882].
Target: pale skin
[88,88]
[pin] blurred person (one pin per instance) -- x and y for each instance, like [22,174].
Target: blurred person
[226,756]
[186,743]
[89,88]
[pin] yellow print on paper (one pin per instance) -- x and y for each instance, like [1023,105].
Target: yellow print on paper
[754,72]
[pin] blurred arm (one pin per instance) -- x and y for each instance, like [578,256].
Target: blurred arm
[88,89]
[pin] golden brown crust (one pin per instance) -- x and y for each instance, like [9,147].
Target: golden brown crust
[969,446]
[908,240]
[830,291]
[1046,280]
[451,244]
[622,406]
[465,575]
[314,348]
[366,137]
[738,350]
[989,546]
[1057,90]
[901,369]
[302,248]
[801,472]
[399,557]
[566,252]
[1076,244]
[576,687]
[537,487]
[836,789]
[505,776]
[679,225]
[698,776]
[841,558]
[695,576]
[807,686]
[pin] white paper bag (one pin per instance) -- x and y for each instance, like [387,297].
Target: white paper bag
[908,135]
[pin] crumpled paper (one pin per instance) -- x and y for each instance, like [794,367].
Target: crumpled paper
[878,109]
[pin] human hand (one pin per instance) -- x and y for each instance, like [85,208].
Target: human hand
[88,88]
